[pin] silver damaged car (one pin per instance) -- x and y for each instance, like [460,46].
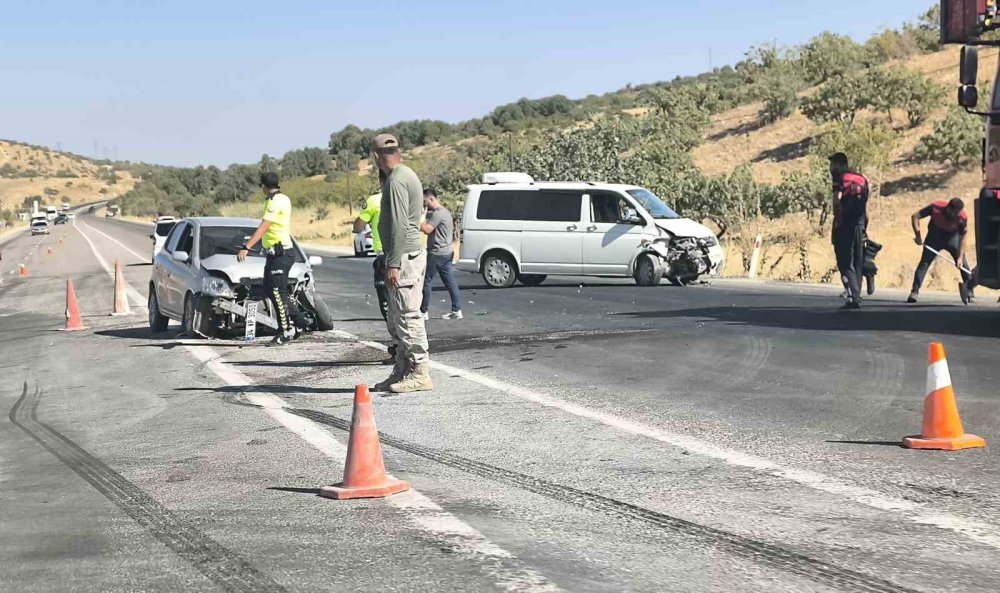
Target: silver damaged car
[198,281]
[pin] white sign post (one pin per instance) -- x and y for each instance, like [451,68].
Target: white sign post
[251,329]
[755,258]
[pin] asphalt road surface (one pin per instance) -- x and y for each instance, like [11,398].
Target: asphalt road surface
[584,435]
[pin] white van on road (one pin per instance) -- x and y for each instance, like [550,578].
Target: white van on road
[516,229]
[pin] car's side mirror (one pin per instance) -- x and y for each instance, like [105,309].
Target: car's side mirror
[969,65]
[180,256]
[315,260]
[968,97]
[635,219]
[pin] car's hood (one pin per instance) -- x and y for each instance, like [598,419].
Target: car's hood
[252,268]
[684,227]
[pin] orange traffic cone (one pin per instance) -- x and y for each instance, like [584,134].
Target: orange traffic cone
[364,471]
[50,251]
[73,321]
[942,426]
[121,301]
[23,270]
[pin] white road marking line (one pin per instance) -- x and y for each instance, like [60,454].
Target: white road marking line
[509,573]
[979,531]
[136,297]
[142,258]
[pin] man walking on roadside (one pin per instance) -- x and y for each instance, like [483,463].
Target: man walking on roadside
[440,230]
[946,232]
[850,213]
[406,261]
[275,236]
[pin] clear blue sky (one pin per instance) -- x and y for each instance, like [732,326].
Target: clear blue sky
[216,81]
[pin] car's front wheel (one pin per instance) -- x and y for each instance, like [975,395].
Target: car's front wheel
[499,270]
[157,322]
[187,322]
[647,271]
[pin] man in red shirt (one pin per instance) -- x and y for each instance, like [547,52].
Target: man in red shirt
[947,231]
[850,216]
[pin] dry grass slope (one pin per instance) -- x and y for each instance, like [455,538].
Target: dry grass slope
[74,177]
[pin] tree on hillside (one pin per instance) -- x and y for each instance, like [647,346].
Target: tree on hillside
[305,162]
[956,140]
[898,88]
[839,100]
[829,56]
[268,164]
[926,31]
[870,147]
[351,139]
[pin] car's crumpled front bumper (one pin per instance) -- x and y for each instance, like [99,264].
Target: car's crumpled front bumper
[207,308]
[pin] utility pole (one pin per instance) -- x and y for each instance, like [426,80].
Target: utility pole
[350,200]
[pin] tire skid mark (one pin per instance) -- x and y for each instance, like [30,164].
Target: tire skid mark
[748,549]
[217,563]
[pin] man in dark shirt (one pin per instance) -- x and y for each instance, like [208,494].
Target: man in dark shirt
[850,213]
[947,231]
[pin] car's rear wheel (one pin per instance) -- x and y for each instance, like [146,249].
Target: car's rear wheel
[647,271]
[157,322]
[499,270]
[531,279]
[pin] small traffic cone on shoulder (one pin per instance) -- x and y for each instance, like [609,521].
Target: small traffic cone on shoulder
[121,300]
[73,321]
[942,426]
[364,470]
[49,251]
[23,270]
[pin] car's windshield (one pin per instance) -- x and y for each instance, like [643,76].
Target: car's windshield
[225,240]
[39,223]
[654,205]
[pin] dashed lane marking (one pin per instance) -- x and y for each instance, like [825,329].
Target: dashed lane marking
[142,258]
[132,292]
[979,531]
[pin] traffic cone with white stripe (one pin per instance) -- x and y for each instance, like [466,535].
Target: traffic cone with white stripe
[121,300]
[942,426]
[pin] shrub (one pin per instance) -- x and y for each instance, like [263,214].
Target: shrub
[957,139]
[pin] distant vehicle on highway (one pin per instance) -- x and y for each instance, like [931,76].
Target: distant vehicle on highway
[164,224]
[198,281]
[65,206]
[515,229]
[51,213]
[363,242]
[71,215]
[112,211]
[61,219]
[91,210]
[39,227]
